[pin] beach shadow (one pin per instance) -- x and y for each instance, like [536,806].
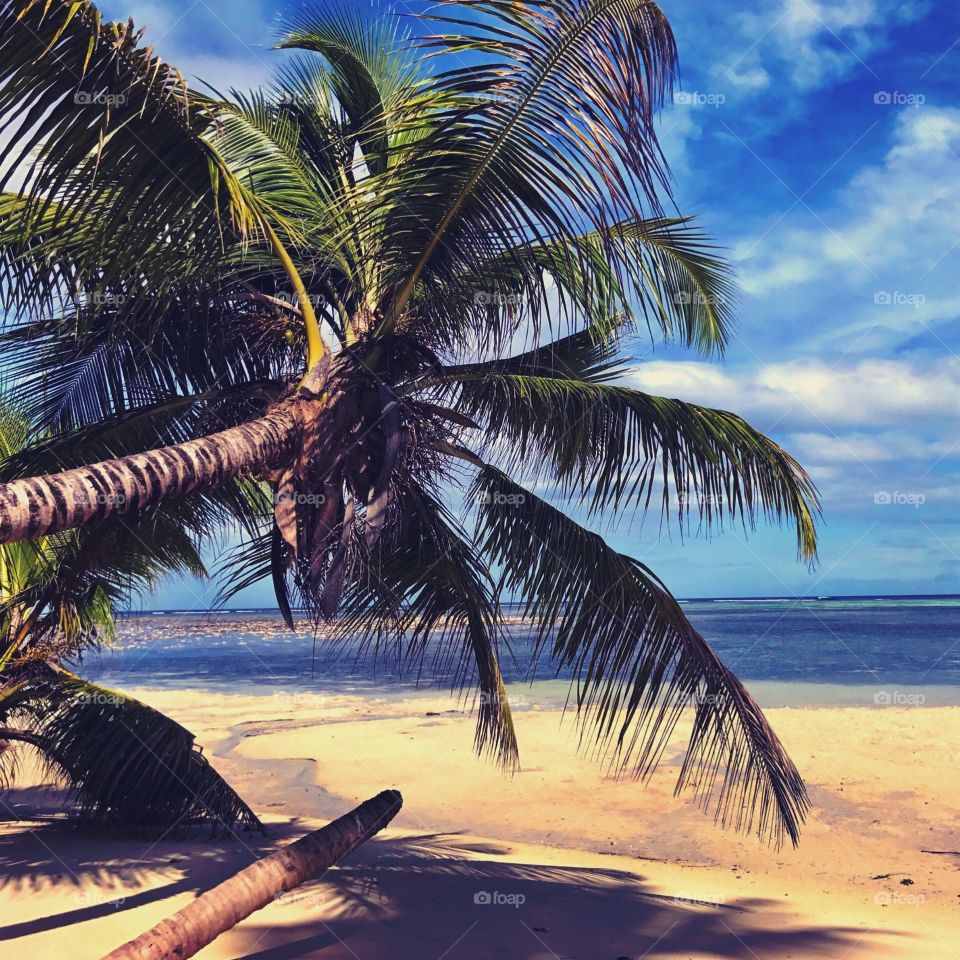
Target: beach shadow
[60,855]
[421,896]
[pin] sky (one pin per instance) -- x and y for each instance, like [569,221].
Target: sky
[819,143]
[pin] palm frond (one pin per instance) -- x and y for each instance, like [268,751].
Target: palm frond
[542,142]
[124,761]
[610,446]
[426,595]
[637,662]
[369,67]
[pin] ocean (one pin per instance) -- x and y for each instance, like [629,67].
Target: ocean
[828,650]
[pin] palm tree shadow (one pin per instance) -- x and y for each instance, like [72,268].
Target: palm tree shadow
[45,852]
[426,896]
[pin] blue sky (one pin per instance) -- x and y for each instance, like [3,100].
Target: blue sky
[820,144]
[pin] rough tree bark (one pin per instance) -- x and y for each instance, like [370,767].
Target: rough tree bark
[38,505]
[218,910]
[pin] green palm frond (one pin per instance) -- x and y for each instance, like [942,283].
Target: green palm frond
[369,65]
[611,446]
[539,145]
[637,662]
[429,598]
[661,272]
[124,761]
[123,149]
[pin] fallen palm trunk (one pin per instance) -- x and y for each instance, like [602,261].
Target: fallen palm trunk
[218,910]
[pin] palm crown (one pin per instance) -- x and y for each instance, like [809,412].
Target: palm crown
[405,268]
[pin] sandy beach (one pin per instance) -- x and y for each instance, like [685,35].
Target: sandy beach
[555,862]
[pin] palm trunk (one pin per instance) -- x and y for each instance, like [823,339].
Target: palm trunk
[218,910]
[38,505]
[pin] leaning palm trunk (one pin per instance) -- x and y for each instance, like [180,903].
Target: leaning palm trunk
[39,505]
[223,907]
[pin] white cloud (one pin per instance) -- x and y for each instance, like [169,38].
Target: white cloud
[813,393]
[810,43]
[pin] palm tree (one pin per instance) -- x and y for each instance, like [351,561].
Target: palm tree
[408,267]
[123,761]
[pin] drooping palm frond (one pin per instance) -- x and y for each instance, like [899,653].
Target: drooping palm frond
[123,761]
[611,446]
[637,662]
[105,139]
[425,598]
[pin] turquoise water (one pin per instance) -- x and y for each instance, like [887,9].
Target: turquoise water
[818,650]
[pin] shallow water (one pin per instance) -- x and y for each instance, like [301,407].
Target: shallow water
[839,650]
